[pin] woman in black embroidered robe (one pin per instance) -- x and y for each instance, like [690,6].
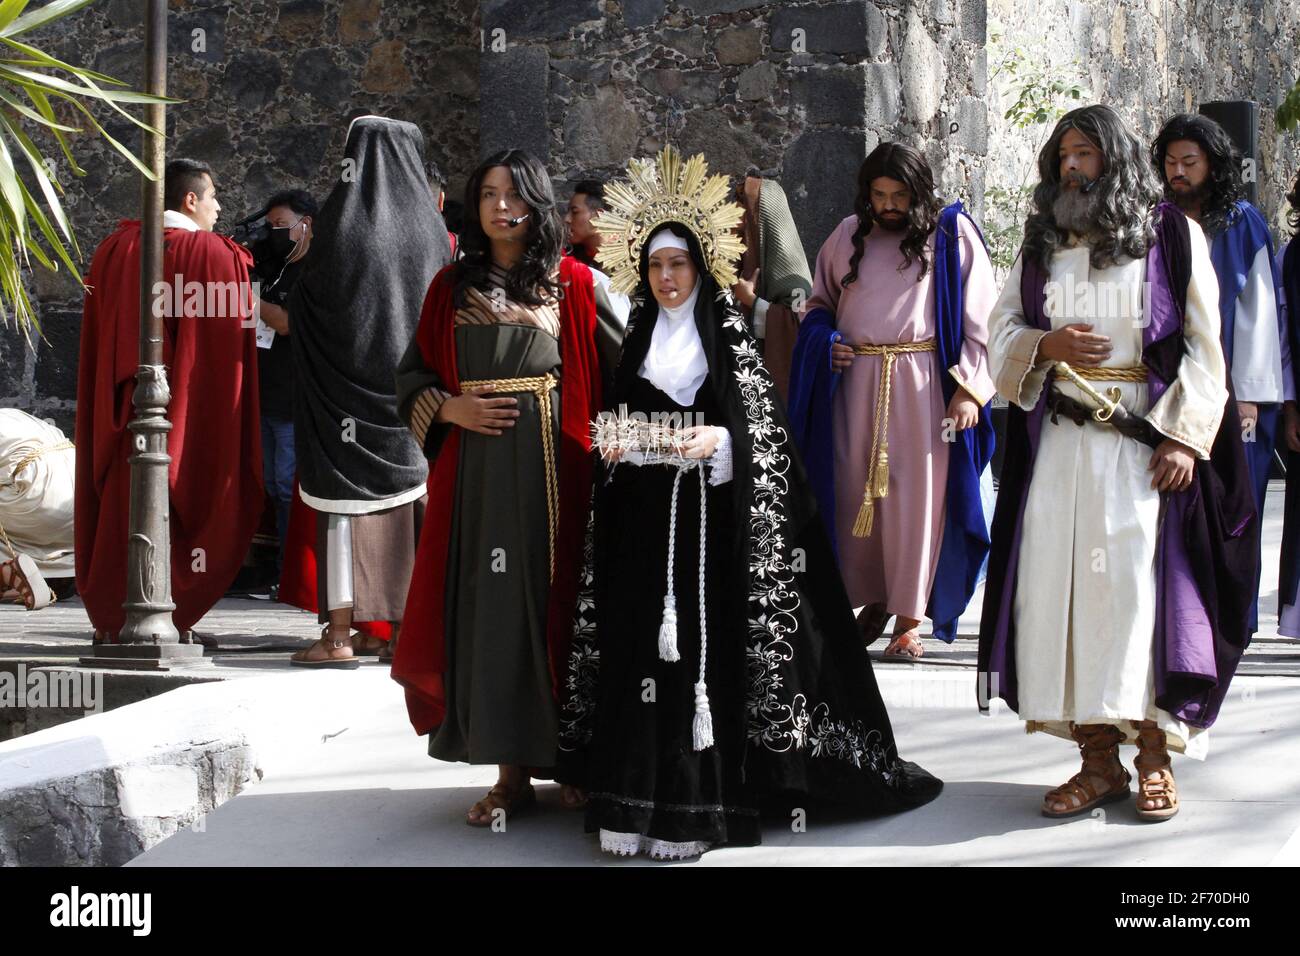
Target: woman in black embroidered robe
[679,755]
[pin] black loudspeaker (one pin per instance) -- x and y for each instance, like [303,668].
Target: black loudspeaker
[1240,118]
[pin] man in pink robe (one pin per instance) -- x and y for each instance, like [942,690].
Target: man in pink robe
[890,486]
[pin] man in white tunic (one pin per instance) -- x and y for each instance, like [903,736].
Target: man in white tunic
[1077,634]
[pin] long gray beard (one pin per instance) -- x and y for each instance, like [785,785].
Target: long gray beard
[1076,211]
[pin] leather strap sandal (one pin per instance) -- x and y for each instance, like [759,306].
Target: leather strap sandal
[905,648]
[501,797]
[573,798]
[1100,781]
[1155,776]
[329,647]
[24,577]
[367,644]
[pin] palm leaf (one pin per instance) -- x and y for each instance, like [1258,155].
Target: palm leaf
[53,10]
[9,10]
[33,222]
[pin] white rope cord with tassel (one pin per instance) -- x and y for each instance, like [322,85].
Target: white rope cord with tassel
[668,626]
[702,722]
[702,726]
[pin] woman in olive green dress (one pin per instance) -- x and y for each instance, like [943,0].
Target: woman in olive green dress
[513,323]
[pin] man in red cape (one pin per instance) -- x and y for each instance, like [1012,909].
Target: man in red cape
[215,476]
[420,660]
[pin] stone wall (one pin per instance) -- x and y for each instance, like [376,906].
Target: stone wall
[269,88]
[802,90]
[1152,58]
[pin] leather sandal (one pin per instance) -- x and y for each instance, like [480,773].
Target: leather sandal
[501,797]
[27,580]
[367,644]
[573,798]
[330,647]
[905,648]
[1155,776]
[1099,746]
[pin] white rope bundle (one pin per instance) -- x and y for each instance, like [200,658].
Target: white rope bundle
[702,724]
[668,626]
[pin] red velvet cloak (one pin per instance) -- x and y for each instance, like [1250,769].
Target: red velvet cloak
[215,476]
[420,660]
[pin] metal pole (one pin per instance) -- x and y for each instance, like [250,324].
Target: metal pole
[149,638]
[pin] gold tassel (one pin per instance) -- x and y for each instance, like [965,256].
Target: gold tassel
[866,517]
[881,489]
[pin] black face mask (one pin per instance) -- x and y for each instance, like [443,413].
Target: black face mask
[279,243]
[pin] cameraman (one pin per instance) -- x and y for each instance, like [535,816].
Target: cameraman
[278,260]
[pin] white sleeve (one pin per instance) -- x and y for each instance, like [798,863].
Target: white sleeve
[720,465]
[1256,344]
[1017,373]
[1191,408]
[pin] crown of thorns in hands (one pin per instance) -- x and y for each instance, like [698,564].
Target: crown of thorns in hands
[623,432]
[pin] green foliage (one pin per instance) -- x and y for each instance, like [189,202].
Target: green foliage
[31,86]
[1004,225]
[1036,94]
[1288,111]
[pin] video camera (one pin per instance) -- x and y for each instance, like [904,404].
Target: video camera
[252,230]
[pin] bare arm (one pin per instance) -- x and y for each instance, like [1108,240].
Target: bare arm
[276,316]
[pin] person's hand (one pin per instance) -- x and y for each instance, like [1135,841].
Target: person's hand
[963,410]
[473,412]
[701,441]
[1291,426]
[1171,465]
[611,454]
[744,291]
[1076,344]
[275,317]
[841,356]
[1248,412]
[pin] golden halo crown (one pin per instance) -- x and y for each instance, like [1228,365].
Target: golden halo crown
[667,190]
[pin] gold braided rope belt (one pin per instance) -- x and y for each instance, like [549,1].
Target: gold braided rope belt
[1107,373]
[539,385]
[878,465]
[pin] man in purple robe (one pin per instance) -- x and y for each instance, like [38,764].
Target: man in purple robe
[1125,540]
[1288,267]
[1202,173]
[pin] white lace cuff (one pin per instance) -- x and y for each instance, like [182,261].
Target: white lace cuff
[630,844]
[720,469]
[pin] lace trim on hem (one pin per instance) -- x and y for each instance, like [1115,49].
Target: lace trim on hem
[630,844]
